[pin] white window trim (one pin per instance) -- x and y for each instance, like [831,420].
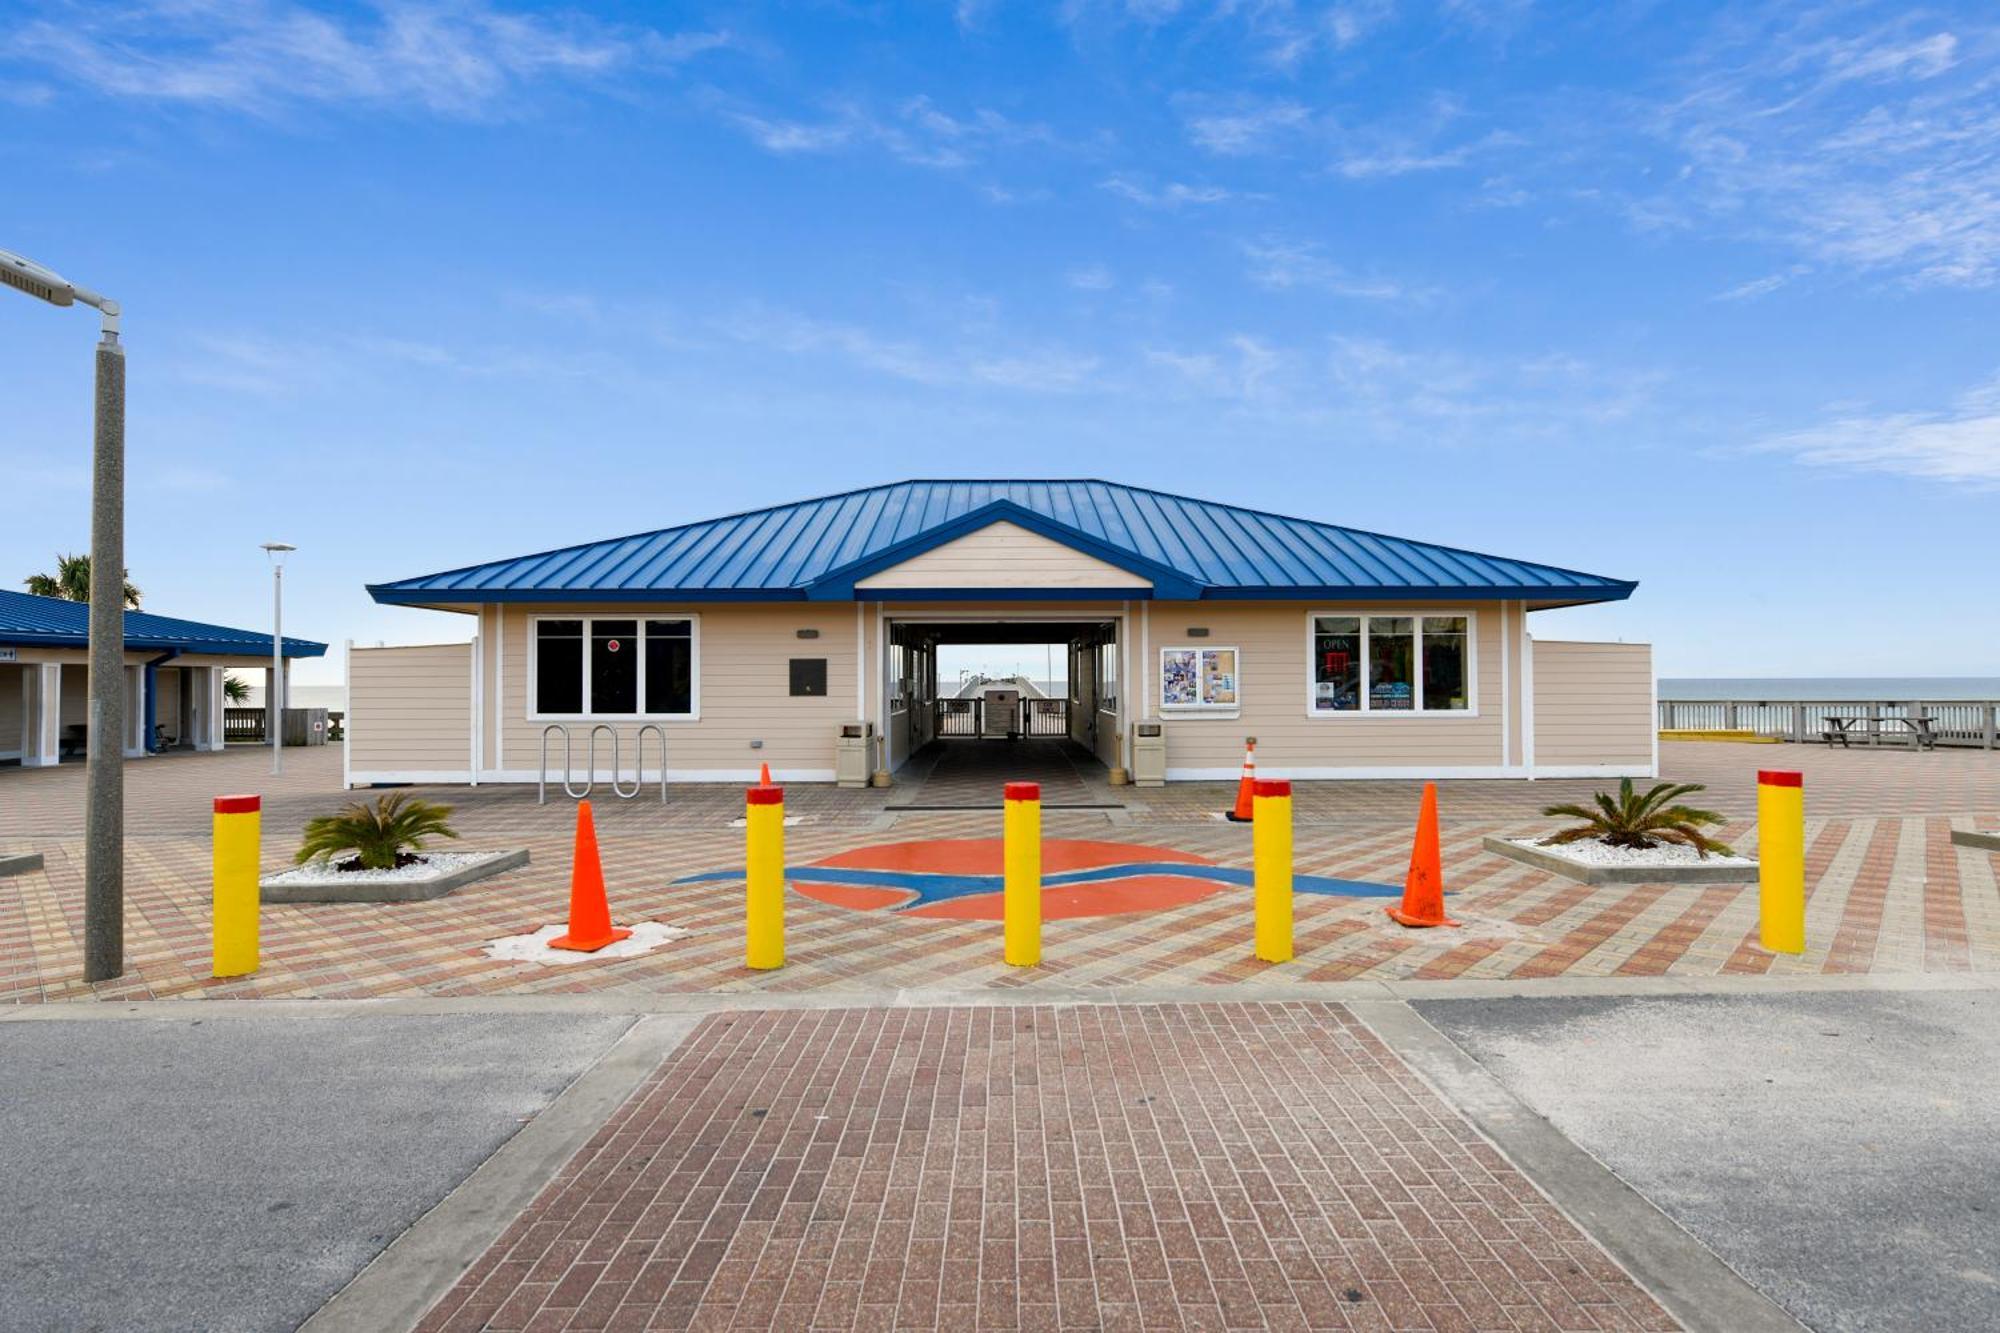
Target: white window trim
[1196,709]
[534,666]
[1471,709]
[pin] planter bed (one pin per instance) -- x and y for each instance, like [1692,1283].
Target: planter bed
[1960,837]
[19,863]
[438,874]
[1595,863]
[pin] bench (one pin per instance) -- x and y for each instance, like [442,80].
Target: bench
[1844,729]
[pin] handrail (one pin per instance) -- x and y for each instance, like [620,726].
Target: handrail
[1968,723]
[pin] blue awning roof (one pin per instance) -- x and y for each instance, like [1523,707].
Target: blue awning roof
[819,549]
[50,622]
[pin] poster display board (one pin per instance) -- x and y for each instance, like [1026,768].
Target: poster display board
[1197,678]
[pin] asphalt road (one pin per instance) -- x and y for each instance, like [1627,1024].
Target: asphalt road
[233,1173]
[1841,1151]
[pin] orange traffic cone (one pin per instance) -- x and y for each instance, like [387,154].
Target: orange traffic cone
[763,775]
[590,927]
[1423,891]
[1246,804]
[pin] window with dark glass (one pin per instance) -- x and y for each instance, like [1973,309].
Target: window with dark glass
[559,666]
[1336,664]
[1391,664]
[614,667]
[669,666]
[1444,664]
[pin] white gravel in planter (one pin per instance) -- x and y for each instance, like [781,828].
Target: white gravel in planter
[534,948]
[432,864]
[1592,852]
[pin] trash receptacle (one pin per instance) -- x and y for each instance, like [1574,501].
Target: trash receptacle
[852,754]
[1149,755]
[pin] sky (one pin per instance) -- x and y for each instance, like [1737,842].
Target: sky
[1702,295]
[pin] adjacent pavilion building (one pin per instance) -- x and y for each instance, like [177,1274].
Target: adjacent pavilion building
[173,679]
[1186,626]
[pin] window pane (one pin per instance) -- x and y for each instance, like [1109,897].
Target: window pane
[1445,664]
[1336,663]
[1218,676]
[670,669]
[559,666]
[1391,656]
[1179,682]
[614,667]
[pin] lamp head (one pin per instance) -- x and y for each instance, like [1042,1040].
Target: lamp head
[28,276]
[278,551]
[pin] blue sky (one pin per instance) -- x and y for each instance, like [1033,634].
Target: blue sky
[1702,295]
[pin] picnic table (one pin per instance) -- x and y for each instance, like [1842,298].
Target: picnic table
[1845,728]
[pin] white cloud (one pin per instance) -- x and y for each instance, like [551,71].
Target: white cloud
[971,363]
[1091,278]
[916,131]
[464,58]
[1875,149]
[1960,443]
[1282,265]
[1764,286]
[1171,196]
[1240,128]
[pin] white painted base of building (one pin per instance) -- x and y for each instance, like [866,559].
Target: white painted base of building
[1412,773]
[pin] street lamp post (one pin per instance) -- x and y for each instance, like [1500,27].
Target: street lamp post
[275,705]
[104,808]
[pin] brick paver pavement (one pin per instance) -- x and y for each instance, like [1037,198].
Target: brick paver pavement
[1211,1166]
[1888,891]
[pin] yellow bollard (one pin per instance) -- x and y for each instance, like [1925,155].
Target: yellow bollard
[1781,860]
[238,826]
[764,889]
[1271,851]
[1021,828]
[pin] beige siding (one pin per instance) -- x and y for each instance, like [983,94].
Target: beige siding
[1004,555]
[743,658]
[409,710]
[1273,652]
[1593,705]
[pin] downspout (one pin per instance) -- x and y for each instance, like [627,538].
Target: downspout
[151,745]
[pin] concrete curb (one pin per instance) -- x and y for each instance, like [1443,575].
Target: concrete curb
[1257,992]
[1696,1287]
[1557,864]
[418,1267]
[413,890]
[20,863]
[1960,837]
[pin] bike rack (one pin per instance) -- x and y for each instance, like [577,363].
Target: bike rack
[590,761]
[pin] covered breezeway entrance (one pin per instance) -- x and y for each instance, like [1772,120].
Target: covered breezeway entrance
[953,744]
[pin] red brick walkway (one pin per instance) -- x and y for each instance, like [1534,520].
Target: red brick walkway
[1204,1166]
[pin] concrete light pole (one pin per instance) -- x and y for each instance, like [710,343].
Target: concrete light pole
[274,706]
[104,808]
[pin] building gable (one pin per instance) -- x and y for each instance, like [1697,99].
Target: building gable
[1004,555]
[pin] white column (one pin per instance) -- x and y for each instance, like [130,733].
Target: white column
[135,712]
[41,709]
[218,704]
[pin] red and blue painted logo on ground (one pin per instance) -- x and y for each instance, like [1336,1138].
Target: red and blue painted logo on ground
[960,879]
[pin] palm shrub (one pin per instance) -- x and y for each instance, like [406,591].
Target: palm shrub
[382,836]
[1641,821]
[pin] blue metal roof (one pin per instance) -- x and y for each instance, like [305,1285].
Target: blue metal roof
[51,622]
[819,549]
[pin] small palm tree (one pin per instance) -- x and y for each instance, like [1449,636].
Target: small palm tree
[235,691]
[382,836]
[1639,822]
[71,582]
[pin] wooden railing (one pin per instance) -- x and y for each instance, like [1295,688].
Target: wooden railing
[1968,723]
[244,726]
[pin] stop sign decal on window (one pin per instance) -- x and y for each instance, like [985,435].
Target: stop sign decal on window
[612,646]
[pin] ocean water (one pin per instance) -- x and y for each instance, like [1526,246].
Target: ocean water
[1849,688]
